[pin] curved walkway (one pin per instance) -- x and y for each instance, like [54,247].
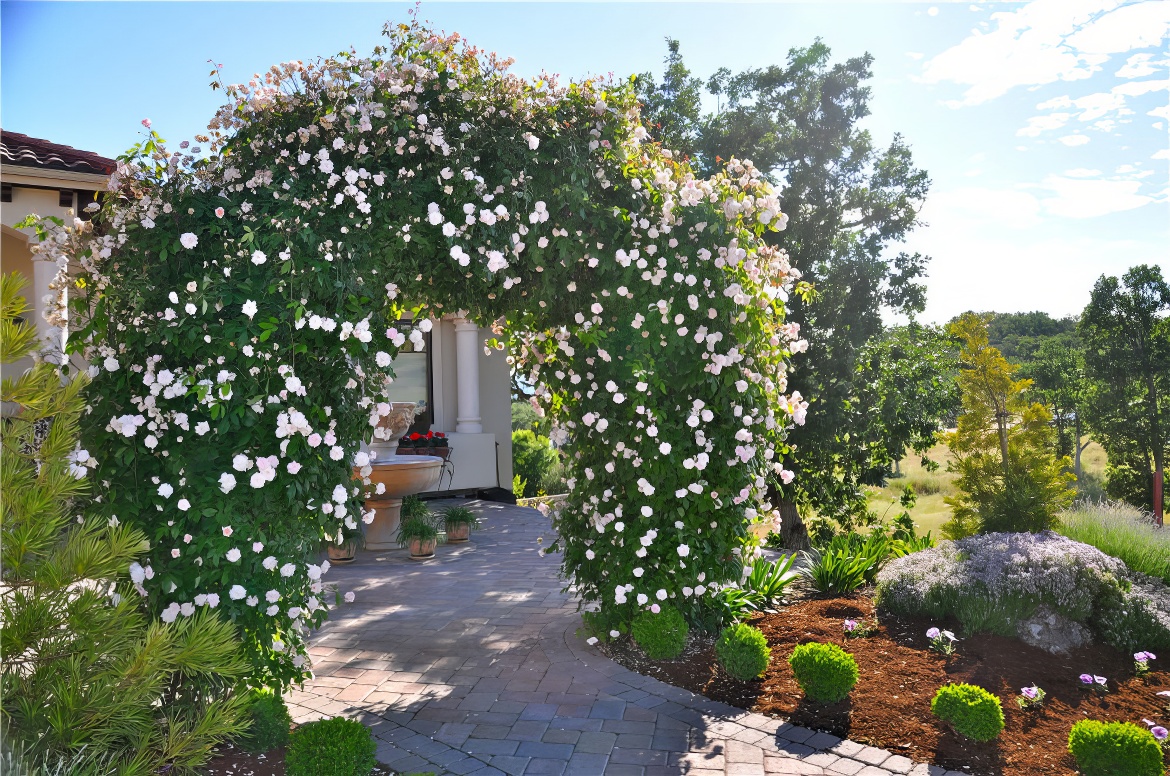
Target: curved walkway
[471,664]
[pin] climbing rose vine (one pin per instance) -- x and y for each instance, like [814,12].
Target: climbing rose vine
[240,303]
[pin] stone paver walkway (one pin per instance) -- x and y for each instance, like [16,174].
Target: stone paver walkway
[471,664]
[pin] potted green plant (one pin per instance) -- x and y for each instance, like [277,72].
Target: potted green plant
[420,535]
[345,552]
[459,523]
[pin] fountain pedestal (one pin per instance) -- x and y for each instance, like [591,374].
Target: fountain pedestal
[402,476]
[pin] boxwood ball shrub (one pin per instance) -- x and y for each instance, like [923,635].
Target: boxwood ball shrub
[661,635]
[825,672]
[270,722]
[1114,749]
[743,651]
[972,711]
[330,747]
[240,304]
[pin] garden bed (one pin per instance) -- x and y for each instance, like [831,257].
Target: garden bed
[890,707]
[230,761]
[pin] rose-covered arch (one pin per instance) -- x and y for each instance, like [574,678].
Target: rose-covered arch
[241,309]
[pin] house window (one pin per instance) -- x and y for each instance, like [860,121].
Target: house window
[65,198]
[413,382]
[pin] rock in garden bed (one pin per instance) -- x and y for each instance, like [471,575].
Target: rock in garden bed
[890,707]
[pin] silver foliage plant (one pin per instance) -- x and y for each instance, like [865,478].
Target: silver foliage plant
[1020,571]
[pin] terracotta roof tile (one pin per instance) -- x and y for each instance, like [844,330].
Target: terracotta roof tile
[24,151]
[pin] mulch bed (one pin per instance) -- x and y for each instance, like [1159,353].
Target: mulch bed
[230,761]
[890,707]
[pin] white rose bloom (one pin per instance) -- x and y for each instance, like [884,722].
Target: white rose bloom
[188,240]
[170,613]
[258,257]
[237,592]
[165,490]
[287,570]
[233,554]
[227,481]
[270,563]
[248,308]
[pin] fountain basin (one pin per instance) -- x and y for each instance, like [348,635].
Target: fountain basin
[402,476]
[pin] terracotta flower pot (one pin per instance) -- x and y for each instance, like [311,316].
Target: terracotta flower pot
[421,549]
[342,554]
[458,532]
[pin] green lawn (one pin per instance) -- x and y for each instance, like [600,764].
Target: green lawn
[932,487]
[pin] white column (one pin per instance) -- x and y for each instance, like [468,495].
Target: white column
[467,421]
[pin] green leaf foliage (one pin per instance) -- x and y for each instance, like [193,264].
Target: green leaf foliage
[661,636]
[533,461]
[1115,749]
[89,681]
[838,570]
[743,651]
[825,672]
[270,722]
[331,747]
[972,711]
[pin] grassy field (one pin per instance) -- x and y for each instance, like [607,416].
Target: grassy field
[932,487]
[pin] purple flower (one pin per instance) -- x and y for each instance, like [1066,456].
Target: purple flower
[933,633]
[1100,680]
[1029,692]
[850,626]
[1143,657]
[1087,679]
[1160,733]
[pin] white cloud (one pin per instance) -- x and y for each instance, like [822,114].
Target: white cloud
[1074,140]
[1140,65]
[1163,153]
[932,11]
[1044,42]
[1081,172]
[978,209]
[1039,124]
[1084,198]
[1101,104]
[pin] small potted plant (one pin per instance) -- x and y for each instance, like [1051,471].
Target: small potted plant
[344,552]
[459,523]
[439,445]
[420,535]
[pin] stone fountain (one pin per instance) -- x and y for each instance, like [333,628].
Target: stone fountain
[401,475]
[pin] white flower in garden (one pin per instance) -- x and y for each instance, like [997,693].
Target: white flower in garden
[227,481]
[248,308]
[313,440]
[294,612]
[187,609]
[272,611]
[287,570]
[642,599]
[111,364]
[293,384]
[189,308]
[213,600]
[227,530]
[183,504]
[252,600]
[175,553]
[259,257]
[591,640]
[349,597]
[188,240]
[257,546]
[664,448]
[496,261]
[233,555]
[293,467]
[237,592]
[638,572]
[170,613]
[241,462]
[314,571]
[336,453]
[137,573]
[533,142]
[683,550]
[151,441]
[270,563]
[202,427]
[688,592]
[258,479]
[272,596]
[165,490]
[590,554]
[448,229]
[647,511]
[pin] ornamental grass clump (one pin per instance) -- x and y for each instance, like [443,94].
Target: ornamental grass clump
[662,634]
[972,711]
[1114,749]
[825,672]
[743,651]
[1122,531]
[331,747]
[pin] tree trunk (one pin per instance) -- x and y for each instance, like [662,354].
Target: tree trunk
[792,529]
[1158,494]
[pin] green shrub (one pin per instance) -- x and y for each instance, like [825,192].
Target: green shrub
[837,570]
[743,651]
[90,683]
[825,672]
[270,722]
[1123,532]
[972,711]
[661,636]
[533,461]
[330,747]
[1114,749]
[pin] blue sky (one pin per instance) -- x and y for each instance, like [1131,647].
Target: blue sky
[1044,125]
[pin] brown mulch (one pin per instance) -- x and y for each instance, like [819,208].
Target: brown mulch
[230,761]
[890,706]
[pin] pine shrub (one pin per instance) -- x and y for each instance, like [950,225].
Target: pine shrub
[87,677]
[270,722]
[661,636]
[972,711]
[1114,749]
[330,747]
[743,651]
[825,672]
